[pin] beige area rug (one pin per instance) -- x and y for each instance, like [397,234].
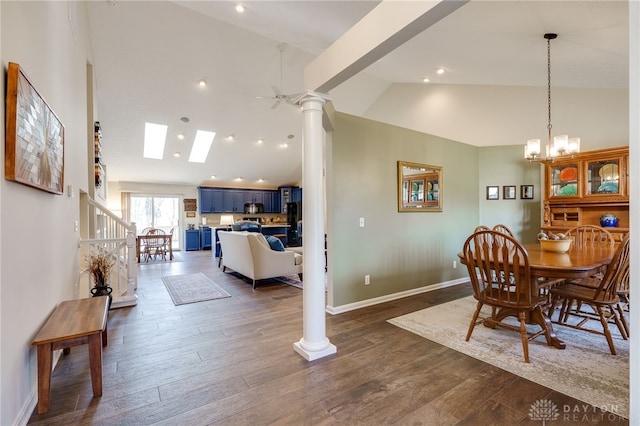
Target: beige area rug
[585,370]
[191,288]
[292,280]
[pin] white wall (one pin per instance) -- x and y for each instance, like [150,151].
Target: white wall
[467,113]
[39,245]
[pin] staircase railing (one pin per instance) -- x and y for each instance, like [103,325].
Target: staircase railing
[107,231]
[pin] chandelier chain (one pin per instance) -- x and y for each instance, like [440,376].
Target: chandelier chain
[549,87]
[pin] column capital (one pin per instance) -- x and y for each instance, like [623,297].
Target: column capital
[311,96]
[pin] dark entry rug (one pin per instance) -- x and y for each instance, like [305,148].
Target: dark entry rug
[191,288]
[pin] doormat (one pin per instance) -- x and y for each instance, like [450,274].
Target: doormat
[191,288]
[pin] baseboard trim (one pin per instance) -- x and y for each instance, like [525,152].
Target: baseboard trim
[334,310]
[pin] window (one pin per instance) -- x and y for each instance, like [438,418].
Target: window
[157,211]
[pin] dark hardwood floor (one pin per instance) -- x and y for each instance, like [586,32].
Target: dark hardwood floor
[231,361]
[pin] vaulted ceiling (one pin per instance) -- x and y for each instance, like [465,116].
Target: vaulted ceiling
[149,57]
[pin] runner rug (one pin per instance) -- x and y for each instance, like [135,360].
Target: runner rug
[585,370]
[191,288]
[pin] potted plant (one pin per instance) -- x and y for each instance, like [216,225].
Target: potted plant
[99,264]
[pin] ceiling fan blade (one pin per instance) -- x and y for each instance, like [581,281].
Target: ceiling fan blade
[275,104]
[276,90]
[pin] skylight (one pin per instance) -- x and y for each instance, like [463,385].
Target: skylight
[154,139]
[201,145]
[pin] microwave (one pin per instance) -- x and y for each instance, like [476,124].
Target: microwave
[253,208]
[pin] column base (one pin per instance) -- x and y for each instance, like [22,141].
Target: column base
[313,355]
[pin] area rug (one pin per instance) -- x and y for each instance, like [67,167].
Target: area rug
[292,280]
[585,370]
[191,288]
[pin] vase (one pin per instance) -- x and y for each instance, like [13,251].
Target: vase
[102,290]
[608,220]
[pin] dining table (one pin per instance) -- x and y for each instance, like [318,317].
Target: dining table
[167,240]
[548,268]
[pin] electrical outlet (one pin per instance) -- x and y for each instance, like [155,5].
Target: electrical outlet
[455,264]
[367,279]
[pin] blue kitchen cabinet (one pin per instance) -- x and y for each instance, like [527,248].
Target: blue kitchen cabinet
[233,201]
[205,238]
[296,195]
[192,239]
[210,200]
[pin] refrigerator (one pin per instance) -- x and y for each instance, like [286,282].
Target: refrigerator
[294,220]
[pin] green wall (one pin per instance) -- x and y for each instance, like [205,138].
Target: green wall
[407,251]
[504,165]
[400,251]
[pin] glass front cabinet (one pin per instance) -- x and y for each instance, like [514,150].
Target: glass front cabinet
[581,189]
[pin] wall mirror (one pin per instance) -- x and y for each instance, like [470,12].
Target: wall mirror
[419,187]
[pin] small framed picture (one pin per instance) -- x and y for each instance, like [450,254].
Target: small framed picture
[493,192]
[509,192]
[526,192]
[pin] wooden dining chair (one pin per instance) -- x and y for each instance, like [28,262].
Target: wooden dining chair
[154,246]
[586,237]
[500,275]
[602,298]
[590,236]
[504,229]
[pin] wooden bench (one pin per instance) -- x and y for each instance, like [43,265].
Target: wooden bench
[72,323]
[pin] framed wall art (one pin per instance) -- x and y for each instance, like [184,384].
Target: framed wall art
[526,192]
[493,192]
[34,136]
[509,192]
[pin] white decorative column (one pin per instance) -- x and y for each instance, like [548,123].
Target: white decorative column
[314,343]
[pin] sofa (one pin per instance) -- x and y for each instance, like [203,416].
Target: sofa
[249,254]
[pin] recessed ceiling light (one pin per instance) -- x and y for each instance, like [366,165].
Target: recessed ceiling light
[290,137]
[238,179]
[440,71]
[201,145]
[155,136]
[425,80]
[180,136]
[260,180]
[176,154]
[202,83]
[284,145]
[260,141]
[213,176]
[184,119]
[230,138]
[239,8]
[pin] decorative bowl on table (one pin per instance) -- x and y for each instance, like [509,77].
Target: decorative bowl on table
[555,246]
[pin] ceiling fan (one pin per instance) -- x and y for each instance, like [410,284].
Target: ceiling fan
[280,97]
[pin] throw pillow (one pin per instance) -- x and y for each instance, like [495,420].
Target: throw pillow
[275,243]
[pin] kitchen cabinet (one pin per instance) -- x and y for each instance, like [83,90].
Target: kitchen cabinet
[289,194]
[233,201]
[205,238]
[192,239]
[230,200]
[296,195]
[210,200]
[580,189]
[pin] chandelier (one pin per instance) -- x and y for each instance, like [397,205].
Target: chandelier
[561,145]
